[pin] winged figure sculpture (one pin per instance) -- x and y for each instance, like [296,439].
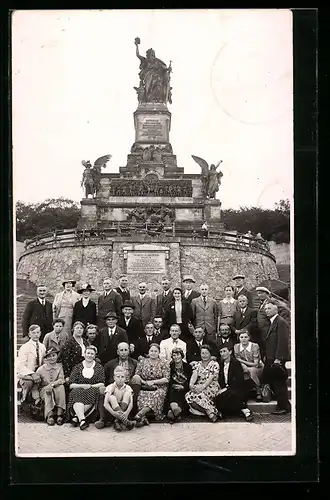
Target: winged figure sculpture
[211,178]
[91,179]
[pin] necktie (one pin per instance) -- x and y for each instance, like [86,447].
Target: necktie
[149,339]
[242,311]
[37,353]
[204,299]
[157,332]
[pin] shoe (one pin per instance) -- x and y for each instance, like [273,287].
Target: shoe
[280,412]
[259,397]
[99,424]
[60,420]
[220,417]
[248,417]
[117,426]
[213,417]
[130,425]
[83,425]
[74,421]
[50,421]
[170,415]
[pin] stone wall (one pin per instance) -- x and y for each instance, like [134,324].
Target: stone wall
[280,251]
[92,262]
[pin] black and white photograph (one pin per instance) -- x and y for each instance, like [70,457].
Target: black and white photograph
[153,192]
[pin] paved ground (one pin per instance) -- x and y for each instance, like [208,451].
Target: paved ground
[259,437]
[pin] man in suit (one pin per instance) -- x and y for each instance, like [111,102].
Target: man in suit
[225,337]
[144,343]
[129,365]
[38,312]
[145,307]
[160,329]
[276,354]
[109,337]
[245,317]
[122,288]
[30,357]
[189,293]
[132,325]
[240,288]
[194,347]
[110,300]
[205,313]
[162,299]
[85,309]
[167,345]
[230,400]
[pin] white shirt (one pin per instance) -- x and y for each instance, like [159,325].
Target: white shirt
[42,301]
[225,371]
[167,346]
[142,296]
[272,319]
[149,338]
[26,360]
[178,310]
[243,310]
[127,320]
[229,301]
[84,302]
[111,331]
[88,372]
[247,348]
[187,293]
[199,343]
[165,292]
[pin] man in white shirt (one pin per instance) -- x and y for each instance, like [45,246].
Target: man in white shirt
[30,357]
[167,345]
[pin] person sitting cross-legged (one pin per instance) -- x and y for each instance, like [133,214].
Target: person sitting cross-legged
[118,401]
[248,354]
[230,399]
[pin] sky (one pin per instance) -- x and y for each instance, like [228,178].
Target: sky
[73,74]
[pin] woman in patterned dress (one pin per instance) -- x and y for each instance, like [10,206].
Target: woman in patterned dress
[154,375]
[178,386]
[204,386]
[86,382]
[227,307]
[73,350]
[63,304]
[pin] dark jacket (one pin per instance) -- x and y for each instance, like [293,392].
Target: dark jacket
[193,295]
[145,309]
[187,370]
[105,304]
[161,302]
[248,320]
[170,316]
[245,292]
[277,340]
[194,351]
[110,366]
[142,345]
[134,329]
[235,376]
[108,347]
[124,295]
[220,341]
[86,315]
[71,355]
[36,314]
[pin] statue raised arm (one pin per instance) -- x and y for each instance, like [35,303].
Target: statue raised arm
[211,179]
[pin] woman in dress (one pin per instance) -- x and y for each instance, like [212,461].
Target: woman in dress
[248,353]
[178,311]
[153,375]
[85,383]
[51,387]
[73,350]
[204,386]
[63,304]
[84,309]
[227,307]
[178,386]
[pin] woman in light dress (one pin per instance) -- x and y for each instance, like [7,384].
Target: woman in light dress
[227,306]
[63,304]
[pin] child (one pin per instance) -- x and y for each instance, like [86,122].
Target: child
[52,387]
[118,400]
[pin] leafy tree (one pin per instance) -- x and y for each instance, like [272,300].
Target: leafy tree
[36,218]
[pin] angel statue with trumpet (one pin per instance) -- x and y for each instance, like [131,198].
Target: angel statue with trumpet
[91,179]
[211,178]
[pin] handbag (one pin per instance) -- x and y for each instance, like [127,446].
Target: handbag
[266,393]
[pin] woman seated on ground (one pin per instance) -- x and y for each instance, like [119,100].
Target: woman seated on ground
[178,386]
[73,350]
[86,382]
[51,387]
[248,354]
[91,335]
[204,386]
[153,374]
[118,400]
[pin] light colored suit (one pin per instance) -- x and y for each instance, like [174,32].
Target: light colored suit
[167,346]
[145,309]
[205,315]
[27,357]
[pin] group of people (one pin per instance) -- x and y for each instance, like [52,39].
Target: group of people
[131,357]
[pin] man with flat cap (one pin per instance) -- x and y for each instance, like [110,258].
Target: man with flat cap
[109,300]
[109,337]
[189,293]
[240,288]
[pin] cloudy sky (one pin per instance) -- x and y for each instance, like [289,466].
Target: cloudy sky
[73,76]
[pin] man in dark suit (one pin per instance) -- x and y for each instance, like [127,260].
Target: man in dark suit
[230,400]
[131,324]
[225,337]
[110,300]
[189,293]
[145,306]
[122,288]
[245,317]
[240,288]
[84,309]
[162,299]
[129,364]
[38,312]
[160,329]
[194,346]
[109,337]
[144,343]
[276,354]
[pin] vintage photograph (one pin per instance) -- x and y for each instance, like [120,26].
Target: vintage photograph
[153,233]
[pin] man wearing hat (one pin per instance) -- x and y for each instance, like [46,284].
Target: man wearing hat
[240,289]
[110,300]
[132,325]
[85,309]
[189,293]
[109,337]
[63,304]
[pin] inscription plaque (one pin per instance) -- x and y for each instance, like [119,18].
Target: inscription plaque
[151,128]
[146,262]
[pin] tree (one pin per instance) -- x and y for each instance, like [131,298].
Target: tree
[36,218]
